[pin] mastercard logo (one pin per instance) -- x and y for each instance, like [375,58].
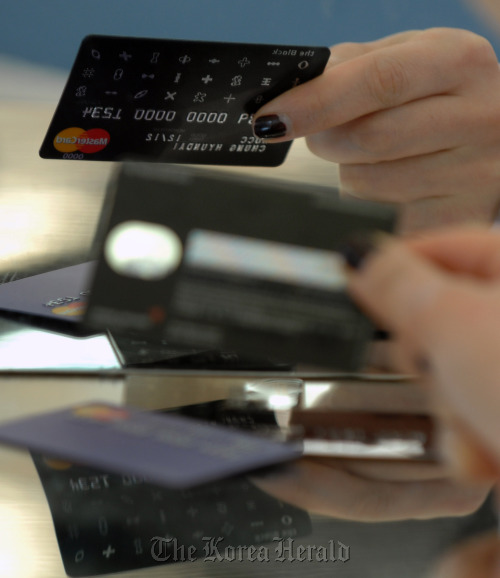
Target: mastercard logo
[74,139]
[57,464]
[101,413]
[76,309]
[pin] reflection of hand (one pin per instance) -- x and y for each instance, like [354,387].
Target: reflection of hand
[411,119]
[371,492]
[477,558]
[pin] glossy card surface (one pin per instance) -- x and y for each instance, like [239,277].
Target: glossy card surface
[107,522]
[203,258]
[169,450]
[174,100]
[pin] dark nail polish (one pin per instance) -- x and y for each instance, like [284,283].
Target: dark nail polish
[356,249]
[271,126]
[381,335]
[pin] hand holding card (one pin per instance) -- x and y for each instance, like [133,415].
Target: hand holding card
[174,100]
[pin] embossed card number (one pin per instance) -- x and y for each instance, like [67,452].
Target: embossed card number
[174,101]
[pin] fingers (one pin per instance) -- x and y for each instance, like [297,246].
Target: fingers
[390,470]
[442,174]
[333,492]
[477,558]
[465,456]
[448,319]
[349,50]
[390,75]
[471,251]
[421,127]
[396,286]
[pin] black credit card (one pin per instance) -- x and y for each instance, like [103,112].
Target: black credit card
[174,100]
[204,258]
[107,522]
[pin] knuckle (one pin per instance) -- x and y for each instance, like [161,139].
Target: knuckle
[377,140]
[477,51]
[320,146]
[388,81]
[346,51]
[373,505]
[465,502]
[365,182]
[471,49]
[354,183]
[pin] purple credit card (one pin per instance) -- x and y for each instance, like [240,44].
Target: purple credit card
[60,294]
[170,450]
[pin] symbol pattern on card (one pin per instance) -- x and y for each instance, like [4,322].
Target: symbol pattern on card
[109,551]
[200,97]
[110,525]
[185,89]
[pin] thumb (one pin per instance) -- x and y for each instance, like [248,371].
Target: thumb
[477,558]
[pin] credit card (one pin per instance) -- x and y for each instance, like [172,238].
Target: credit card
[174,100]
[167,449]
[248,265]
[59,294]
[107,522]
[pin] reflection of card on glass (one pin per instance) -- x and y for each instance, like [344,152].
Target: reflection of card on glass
[167,449]
[174,100]
[207,259]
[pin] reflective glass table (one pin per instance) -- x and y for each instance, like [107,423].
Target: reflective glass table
[58,518]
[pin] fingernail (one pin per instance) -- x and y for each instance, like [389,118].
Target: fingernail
[381,335]
[356,249]
[270,126]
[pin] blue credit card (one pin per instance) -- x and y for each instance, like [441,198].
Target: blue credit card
[60,294]
[174,100]
[170,450]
